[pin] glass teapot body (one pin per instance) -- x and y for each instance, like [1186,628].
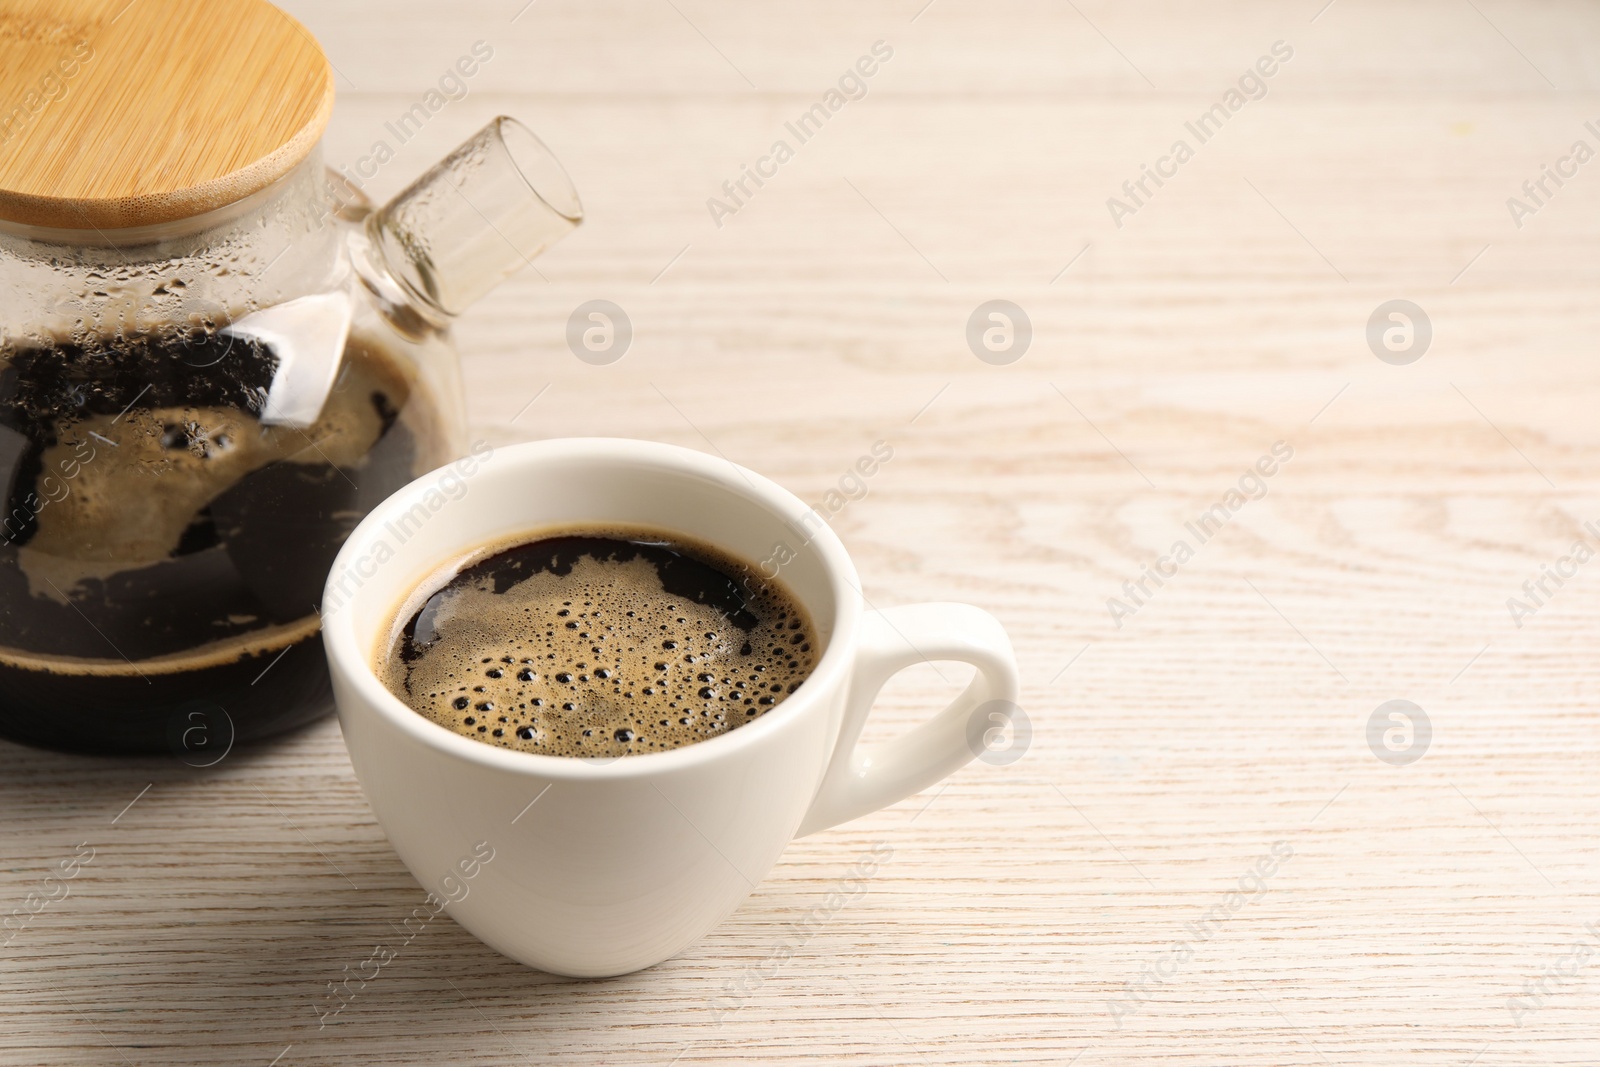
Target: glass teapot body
[193,417]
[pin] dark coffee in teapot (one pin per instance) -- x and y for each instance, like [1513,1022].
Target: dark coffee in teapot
[215,358]
[163,547]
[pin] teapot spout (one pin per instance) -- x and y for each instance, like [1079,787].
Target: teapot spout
[475,218]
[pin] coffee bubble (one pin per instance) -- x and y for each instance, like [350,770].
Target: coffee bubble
[625,641]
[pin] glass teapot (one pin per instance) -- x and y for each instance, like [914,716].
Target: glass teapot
[196,409]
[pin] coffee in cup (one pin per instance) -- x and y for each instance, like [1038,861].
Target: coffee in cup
[598,642]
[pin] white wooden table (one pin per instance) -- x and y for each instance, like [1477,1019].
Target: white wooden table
[1421,909]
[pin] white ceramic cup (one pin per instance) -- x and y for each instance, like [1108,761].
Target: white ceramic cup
[601,867]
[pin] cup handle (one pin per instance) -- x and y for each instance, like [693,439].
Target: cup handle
[863,779]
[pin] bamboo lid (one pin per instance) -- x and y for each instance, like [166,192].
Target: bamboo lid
[133,112]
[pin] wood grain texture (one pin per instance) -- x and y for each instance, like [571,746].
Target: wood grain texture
[120,113]
[1168,755]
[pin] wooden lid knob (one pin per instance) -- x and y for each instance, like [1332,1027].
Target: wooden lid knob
[132,112]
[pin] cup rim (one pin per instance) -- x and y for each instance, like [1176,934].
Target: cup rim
[347,658]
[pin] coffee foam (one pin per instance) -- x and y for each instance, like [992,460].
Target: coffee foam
[598,642]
